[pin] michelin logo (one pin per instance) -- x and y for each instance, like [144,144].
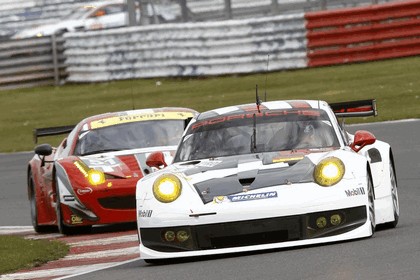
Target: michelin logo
[354,192]
[255,196]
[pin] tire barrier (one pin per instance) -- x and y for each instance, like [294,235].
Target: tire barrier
[363,34]
[189,49]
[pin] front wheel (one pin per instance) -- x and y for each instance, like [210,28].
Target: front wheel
[394,193]
[64,229]
[371,202]
[34,208]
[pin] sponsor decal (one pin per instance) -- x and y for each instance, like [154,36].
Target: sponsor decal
[272,113]
[84,191]
[210,163]
[254,196]
[145,213]
[140,117]
[285,159]
[354,192]
[76,220]
[218,199]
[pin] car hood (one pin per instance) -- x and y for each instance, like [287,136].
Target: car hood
[125,164]
[48,29]
[232,175]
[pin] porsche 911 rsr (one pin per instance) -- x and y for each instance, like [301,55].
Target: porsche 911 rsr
[270,175]
[90,178]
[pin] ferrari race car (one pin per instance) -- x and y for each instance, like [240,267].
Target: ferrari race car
[90,178]
[267,175]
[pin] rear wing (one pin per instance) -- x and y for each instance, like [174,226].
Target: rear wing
[49,131]
[359,108]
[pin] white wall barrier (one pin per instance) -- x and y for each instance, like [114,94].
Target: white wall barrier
[190,49]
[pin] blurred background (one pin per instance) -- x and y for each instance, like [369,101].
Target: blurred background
[53,42]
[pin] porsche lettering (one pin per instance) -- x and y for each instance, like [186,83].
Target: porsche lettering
[258,115]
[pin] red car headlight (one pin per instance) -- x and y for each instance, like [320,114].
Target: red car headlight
[95,177]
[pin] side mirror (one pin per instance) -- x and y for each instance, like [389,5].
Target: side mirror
[156,159]
[43,150]
[361,139]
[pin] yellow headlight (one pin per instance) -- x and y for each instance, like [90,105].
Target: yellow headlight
[96,177]
[167,188]
[329,171]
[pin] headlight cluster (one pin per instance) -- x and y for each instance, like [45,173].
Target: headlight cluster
[334,220]
[176,236]
[329,171]
[167,188]
[95,177]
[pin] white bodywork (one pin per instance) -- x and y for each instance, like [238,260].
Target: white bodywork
[93,16]
[282,200]
[86,17]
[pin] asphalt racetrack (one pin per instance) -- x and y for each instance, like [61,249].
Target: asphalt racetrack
[390,254]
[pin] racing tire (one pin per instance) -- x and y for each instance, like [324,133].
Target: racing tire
[34,209]
[64,229]
[394,194]
[371,202]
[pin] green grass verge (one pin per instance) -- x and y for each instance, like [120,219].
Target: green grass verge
[18,253]
[395,84]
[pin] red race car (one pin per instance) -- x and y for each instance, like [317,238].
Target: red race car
[90,178]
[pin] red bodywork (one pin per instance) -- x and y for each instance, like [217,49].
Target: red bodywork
[112,201]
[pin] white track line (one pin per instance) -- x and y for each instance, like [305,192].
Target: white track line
[6,230]
[44,236]
[93,269]
[57,271]
[104,254]
[105,241]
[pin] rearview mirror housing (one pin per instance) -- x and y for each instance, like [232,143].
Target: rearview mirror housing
[156,159]
[361,139]
[43,150]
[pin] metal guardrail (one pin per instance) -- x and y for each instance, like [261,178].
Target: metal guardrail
[188,49]
[210,10]
[32,62]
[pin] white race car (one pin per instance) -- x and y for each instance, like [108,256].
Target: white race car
[267,175]
[96,15]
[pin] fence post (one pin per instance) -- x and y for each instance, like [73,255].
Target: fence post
[323,4]
[184,10]
[144,15]
[228,9]
[55,59]
[131,10]
[274,7]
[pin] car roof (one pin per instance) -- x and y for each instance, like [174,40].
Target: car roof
[113,118]
[264,106]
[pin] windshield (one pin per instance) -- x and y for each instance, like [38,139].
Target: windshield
[79,12]
[247,133]
[133,135]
